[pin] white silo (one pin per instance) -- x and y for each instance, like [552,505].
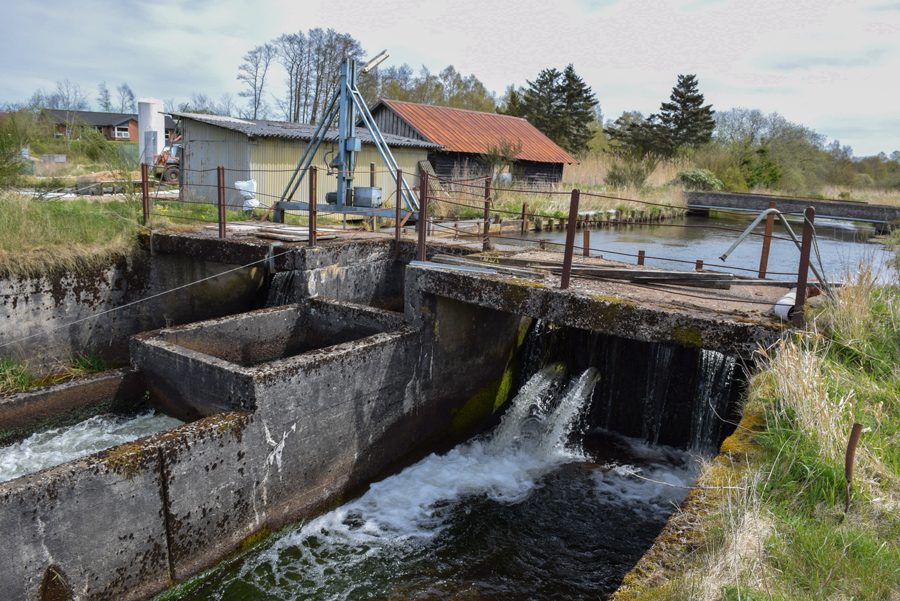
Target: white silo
[151,128]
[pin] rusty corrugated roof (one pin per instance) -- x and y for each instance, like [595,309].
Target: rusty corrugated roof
[460,130]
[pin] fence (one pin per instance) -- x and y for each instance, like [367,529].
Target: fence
[476,195]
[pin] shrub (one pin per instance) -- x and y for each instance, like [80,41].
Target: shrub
[630,169]
[699,179]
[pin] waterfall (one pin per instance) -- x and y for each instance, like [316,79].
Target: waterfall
[715,376]
[281,289]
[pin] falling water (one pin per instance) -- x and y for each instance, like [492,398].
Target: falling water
[518,513]
[281,289]
[57,446]
[716,374]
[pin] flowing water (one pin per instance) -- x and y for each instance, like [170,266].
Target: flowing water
[54,447]
[533,510]
[281,289]
[842,245]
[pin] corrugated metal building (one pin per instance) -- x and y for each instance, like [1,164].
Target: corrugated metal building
[268,151]
[463,135]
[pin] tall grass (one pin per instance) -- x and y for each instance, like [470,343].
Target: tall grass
[781,531]
[39,235]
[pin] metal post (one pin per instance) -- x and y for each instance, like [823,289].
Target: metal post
[641,257]
[397,217]
[371,175]
[767,241]
[313,206]
[570,239]
[486,245]
[221,174]
[586,245]
[699,265]
[145,191]
[422,223]
[803,273]
[524,217]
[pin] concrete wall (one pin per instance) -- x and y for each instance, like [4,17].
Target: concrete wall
[35,312]
[125,523]
[860,211]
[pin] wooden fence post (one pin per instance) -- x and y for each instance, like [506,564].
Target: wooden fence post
[803,273]
[486,245]
[570,239]
[422,223]
[145,191]
[313,206]
[397,218]
[767,241]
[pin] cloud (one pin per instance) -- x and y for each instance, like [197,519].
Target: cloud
[890,6]
[848,60]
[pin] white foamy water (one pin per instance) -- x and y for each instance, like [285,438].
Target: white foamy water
[57,446]
[411,535]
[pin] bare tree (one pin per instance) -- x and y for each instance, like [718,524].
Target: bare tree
[126,99]
[226,105]
[67,96]
[104,100]
[253,73]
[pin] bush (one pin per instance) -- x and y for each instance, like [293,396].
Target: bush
[630,169]
[699,179]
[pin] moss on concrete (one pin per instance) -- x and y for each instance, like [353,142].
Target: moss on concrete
[689,337]
[484,403]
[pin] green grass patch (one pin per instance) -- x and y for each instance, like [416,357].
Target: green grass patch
[37,236]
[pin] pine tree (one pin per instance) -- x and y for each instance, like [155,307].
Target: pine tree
[686,120]
[542,102]
[561,105]
[578,110]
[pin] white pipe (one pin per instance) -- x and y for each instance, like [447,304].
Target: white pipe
[784,307]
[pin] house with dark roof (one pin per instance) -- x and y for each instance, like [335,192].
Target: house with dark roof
[463,135]
[115,126]
[268,152]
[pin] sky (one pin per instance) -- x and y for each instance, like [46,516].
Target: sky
[831,66]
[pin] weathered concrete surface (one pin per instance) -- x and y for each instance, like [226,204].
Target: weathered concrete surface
[322,424]
[859,211]
[39,404]
[36,312]
[208,367]
[600,307]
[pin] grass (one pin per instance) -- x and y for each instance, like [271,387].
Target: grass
[37,236]
[15,376]
[781,533]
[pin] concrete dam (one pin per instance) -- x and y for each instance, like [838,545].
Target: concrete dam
[303,375]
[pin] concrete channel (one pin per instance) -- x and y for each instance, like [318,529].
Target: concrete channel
[292,409]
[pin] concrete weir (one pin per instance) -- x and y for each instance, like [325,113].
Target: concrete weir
[293,408]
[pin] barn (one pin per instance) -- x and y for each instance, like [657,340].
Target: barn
[462,135]
[268,152]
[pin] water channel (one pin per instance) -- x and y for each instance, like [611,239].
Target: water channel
[843,245]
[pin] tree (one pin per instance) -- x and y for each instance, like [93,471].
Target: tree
[561,106]
[104,100]
[67,96]
[253,74]
[686,120]
[578,102]
[512,104]
[639,136]
[126,99]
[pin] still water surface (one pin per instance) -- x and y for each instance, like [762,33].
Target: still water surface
[843,245]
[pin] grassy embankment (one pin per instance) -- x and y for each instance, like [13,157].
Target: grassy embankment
[767,519]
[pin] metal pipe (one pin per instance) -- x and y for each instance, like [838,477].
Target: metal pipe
[221,185]
[313,202]
[145,191]
[397,218]
[486,245]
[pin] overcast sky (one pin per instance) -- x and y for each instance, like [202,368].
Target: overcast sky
[832,66]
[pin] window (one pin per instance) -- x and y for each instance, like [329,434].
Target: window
[122,131]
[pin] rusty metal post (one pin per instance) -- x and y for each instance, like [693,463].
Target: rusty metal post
[221,186]
[524,217]
[850,459]
[486,245]
[543,244]
[767,241]
[699,265]
[586,245]
[641,255]
[397,217]
[570,239]
[145,191]
[422,223]
[313,206]
[803,273]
